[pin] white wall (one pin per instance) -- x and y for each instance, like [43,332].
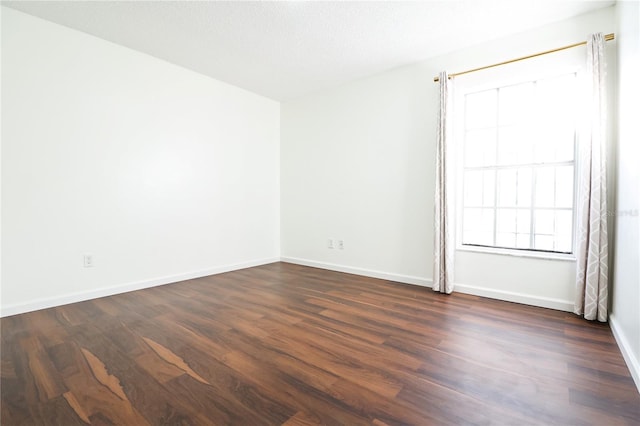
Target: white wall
[159,172]
[353,168]
[358,165]
[625,311]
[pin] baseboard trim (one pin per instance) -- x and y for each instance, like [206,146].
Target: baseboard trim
[45,303]
[627,353]
[510,296]
[407,279]
[543,302]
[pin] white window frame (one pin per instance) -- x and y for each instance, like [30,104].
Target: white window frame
[459,131]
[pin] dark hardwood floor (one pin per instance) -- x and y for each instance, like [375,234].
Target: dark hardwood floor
[287,344]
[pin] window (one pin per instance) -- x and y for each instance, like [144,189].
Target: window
[518,166]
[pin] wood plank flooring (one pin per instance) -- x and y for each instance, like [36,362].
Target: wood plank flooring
[291,345]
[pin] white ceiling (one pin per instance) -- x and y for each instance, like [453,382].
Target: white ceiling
[284,50]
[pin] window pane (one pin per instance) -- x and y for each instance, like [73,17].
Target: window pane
[545,187]
[508,138]
[516,103]
[544,149]
[566,146]
[564,226]
[479,188]
[557,97]
[489,188]
[523,222]
[472,219]
[522,241]
[505,239]
[478,226]
[525,154]
[564,186]
[478,219]
[543,242]
[473,188]
[544,222]
[480,148]
[555,142]
[481,238]
[507,188]
[506,221]
[506,228]
[481,109]
[514,146]
[524,187]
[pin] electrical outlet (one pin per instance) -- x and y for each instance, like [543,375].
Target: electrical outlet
[330,244]
[341,244]
[88,261]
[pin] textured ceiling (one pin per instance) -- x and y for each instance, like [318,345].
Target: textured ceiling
[284,50]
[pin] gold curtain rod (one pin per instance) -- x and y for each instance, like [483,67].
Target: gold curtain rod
[607,37]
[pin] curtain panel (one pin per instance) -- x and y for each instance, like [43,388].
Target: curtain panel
[592,283]
[443,241]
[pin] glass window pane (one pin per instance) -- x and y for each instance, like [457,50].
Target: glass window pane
[515,145]
[544,222]
[485,238]
[505,239]
[544,149]
[564,227]
[487,220]
[523,241]
[545,187]
[489,188]
[557,97]
[478,226]
[472,219]
[516,103]
[481,238]
[523,195]
[472,151]
[543,242]
[481,109]
[506,221]
[507,188]
[523,221]
[555,142]
[477,219]
[564,186]
[472,188]
[508,145]
[525,154]
[566,146]
[480,148]
[471,237]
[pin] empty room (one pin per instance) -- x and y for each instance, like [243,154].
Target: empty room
[320,213]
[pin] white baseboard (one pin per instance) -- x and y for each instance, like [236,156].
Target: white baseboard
[36,304]
[407,279]
[544,302]
[627,352]
[510,296]
[44,303]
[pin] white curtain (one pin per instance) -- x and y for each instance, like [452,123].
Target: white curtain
[443,244]
[592,254]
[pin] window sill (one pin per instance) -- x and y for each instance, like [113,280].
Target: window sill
[519,253]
